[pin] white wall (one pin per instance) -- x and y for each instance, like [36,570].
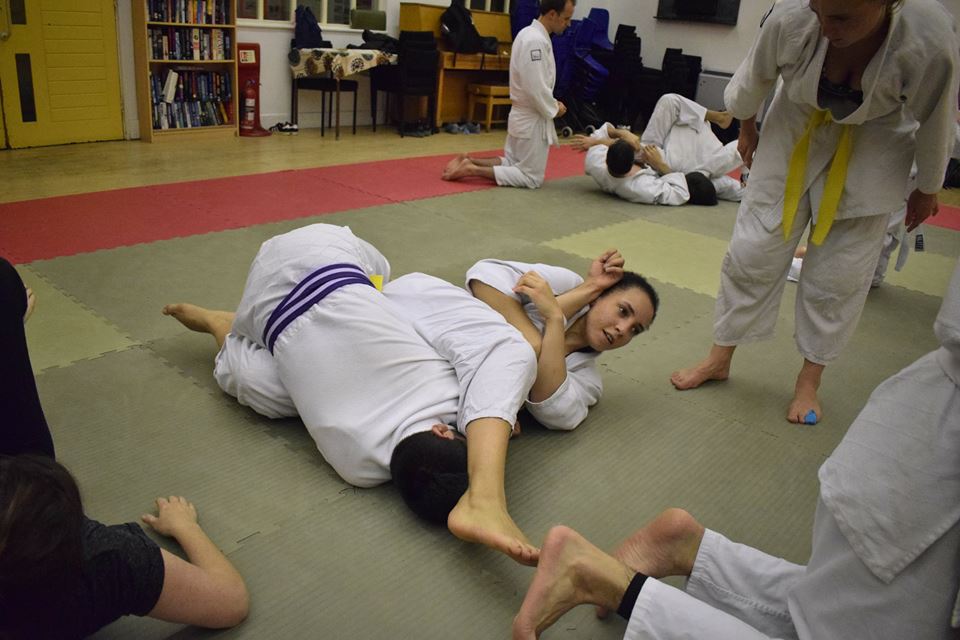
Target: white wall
[721,47]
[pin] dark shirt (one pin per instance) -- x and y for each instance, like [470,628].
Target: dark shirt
[122,575]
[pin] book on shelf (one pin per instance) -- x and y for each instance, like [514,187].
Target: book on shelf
[195,43]
[189,11]
[190,98]
[181,43]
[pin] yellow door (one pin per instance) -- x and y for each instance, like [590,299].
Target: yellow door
[59,75]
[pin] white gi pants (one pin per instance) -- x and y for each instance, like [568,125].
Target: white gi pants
[736,592]
[678,128]
[524,162]
[832,288]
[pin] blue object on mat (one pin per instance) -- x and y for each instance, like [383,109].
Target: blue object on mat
[810,418]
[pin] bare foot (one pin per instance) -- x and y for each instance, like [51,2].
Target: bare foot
[460,157]
[666,546]
[216,323]
[804,401]
[715,367]
[724,119]
[31,304]
[571,571]
[805,394]
[461,170]
[489,524]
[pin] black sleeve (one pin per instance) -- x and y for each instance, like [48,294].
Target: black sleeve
[24,426]
[127,570]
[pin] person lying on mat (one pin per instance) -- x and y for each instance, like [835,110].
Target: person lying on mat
[63,575]
[377,377]
[602,312]
[677,160]
[886,537]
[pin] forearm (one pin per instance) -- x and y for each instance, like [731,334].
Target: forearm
[551,364]
[623,134]
[573,300]
[202,552]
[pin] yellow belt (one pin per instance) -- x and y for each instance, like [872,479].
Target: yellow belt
[833,188]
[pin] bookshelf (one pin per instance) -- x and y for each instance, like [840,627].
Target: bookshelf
[185,56]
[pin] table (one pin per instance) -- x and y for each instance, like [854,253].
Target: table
[306,63]
[457,71]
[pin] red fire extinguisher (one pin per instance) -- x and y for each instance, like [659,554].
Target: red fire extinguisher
[249,106]
[250,115]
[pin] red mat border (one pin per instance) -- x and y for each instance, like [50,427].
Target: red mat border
[67,225]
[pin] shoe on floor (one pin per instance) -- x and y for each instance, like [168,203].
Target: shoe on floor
[285,127]
[471,127]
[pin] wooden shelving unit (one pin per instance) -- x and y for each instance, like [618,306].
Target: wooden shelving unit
[203,102]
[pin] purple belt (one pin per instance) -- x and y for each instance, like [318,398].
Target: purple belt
[311,290]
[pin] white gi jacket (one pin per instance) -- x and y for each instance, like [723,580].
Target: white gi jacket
[567,407]
[644,187]
[533,74]
[909,87]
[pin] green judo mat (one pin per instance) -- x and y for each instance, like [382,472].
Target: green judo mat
[136,414]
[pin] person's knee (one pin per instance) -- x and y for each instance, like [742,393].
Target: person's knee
[534,181]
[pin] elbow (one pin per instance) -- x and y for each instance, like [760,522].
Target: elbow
[236,604]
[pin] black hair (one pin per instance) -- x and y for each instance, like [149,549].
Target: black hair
[546,6]
[41,520]
[620,157]
[431,474]
[633,280]
[701,189]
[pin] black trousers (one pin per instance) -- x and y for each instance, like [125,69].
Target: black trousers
[23,427]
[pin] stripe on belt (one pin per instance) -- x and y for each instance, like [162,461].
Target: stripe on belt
[311,290]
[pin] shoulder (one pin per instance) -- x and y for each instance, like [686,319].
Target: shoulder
[923,29]
[125,557]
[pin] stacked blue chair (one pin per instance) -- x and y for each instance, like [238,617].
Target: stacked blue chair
[523,13]
[563,58]
[622,99]
[589,74]
[601,18]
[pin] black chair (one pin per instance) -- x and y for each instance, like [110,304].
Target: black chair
[325,85]
[415,74]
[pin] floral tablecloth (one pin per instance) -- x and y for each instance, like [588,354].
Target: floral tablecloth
[305,63]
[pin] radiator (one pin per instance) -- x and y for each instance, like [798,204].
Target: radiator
[710,89]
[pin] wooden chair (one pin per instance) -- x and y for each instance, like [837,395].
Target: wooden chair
[490,96]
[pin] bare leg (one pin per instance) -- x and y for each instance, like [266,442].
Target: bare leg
[715,367]
[481,514]
[805,393]
[572,571]
[31,304]
[216,323]
[722,119]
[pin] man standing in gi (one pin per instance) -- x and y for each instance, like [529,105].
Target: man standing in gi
[530,130]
